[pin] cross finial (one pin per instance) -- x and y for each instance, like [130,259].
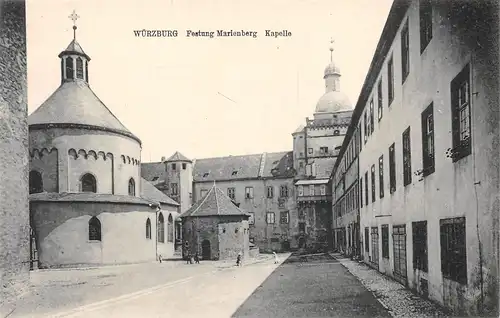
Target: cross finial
[73,16]
[331,49]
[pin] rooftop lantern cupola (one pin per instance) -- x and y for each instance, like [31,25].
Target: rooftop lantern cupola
[74,61]
[332,74]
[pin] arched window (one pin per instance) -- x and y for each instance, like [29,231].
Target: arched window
[94,229]
[148,229]
[170,228]
[36,182]
[161,228]
[88,183]
[79,68]
[69,67]
[131,187]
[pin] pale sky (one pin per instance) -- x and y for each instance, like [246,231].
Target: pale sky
[166,90]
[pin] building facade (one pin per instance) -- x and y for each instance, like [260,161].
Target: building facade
[88,202]
[427,129]
[14,220]
[315,149]
[287,194]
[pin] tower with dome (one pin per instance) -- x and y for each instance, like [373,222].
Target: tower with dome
[88,202]
[316,146]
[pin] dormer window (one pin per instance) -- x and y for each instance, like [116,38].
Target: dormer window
[87,71]
[234,173]
[69,68]
[155,178]
[79,68]
[206,174]
[336,132]
[276,162]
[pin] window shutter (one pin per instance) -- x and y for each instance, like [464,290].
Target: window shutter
[425,147]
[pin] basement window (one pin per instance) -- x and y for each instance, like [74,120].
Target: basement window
[453,249]
[234,173]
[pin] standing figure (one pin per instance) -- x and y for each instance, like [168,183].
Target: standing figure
[188,258]
[196,258]
[238,259]
[276,259]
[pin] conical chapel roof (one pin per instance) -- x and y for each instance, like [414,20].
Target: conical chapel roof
[74,103]
[214,203]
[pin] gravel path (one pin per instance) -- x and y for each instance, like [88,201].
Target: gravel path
[398,300]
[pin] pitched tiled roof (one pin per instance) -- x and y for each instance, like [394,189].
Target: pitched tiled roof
[153,172]
[177,156]
[227,168]
[214,203]
[150,192]
[87,197]
[75,103]
[278,164]
[74,47]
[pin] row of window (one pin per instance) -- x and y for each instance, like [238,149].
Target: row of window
[452,241]
[69,63]
[460,92]
[95,229]
[425,13]
[310,190]
[231,192]
[271,217]
[174,166]
[349,201]
[88,183]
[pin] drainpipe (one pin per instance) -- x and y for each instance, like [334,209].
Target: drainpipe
[158,209]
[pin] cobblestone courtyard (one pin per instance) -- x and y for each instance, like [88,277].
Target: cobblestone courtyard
[325,285]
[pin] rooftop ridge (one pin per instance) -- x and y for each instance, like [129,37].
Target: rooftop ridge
[201,204]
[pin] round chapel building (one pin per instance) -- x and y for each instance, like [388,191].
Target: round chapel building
[88,202]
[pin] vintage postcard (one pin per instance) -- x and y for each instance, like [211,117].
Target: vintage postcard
[299,158]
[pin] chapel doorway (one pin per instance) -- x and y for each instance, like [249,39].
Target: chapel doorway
[205,250]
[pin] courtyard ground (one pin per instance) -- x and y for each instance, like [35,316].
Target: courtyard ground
[317,285]
[63,290]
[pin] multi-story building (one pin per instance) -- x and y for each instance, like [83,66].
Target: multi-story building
[315,150]
[425,132]
[286,193]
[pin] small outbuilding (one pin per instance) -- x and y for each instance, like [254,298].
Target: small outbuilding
[215,228]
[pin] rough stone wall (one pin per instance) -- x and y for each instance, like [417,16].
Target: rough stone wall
[14,216]
[233,238]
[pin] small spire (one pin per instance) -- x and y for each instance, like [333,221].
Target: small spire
[331,49]
[73,16]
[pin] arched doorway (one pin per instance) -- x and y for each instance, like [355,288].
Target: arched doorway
[205,250]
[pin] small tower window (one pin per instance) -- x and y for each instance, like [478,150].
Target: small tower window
[69,67]
[131,187]
[87,71]
[183,166]
[36,182]
[79,68]
[94,229]
[88,183]
[174,166]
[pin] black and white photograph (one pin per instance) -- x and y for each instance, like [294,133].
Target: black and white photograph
[232,159]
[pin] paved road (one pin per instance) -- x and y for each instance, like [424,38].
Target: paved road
[320,287]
